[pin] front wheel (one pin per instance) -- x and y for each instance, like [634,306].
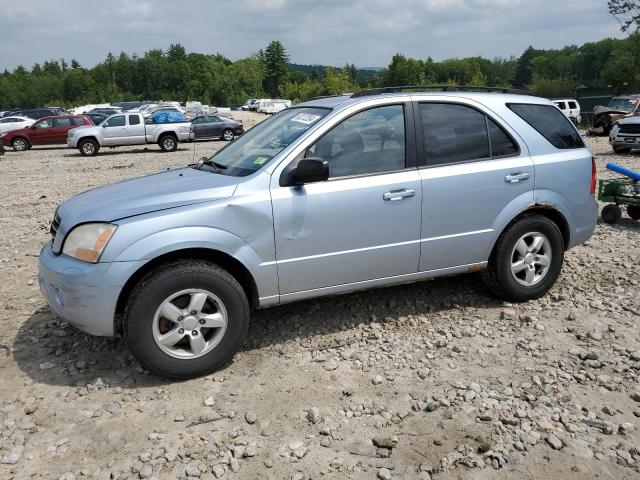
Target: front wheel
[633,211]
[611,214]
[227,135]
[168,143]
[20,144]
[186,319]
[527,259]
[88,147]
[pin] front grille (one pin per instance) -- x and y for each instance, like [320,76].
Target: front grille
[632,128]
[55,225]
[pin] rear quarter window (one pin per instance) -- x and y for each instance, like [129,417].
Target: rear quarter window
[551,123]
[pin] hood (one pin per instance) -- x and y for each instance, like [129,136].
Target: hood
[600,109]
[629,120]
[83,128]
[159,191]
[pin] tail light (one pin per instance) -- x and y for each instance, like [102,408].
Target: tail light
[594,175]
[191,129]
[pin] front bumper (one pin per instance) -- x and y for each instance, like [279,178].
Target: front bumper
[617,139]
[84,294]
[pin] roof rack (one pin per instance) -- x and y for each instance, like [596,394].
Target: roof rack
[442,88]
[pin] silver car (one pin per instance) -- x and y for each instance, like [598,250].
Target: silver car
[330,196]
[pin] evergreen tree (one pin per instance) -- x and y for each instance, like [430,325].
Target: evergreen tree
[276,66]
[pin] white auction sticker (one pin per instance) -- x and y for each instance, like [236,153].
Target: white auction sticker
[306,118]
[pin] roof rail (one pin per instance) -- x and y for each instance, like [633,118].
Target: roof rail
[442,88]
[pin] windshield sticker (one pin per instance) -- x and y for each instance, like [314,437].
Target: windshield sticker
[261,160]
[306,118]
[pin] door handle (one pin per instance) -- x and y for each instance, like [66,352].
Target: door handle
[395,195]
[517,177]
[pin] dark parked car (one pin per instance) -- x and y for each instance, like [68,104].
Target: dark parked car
[97,118]
[215,126]
[46,131]
[37,113]
[131,105]
[107,111]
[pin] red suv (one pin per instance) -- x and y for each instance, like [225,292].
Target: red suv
[46,131]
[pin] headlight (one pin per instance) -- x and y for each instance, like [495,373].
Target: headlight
[86,242]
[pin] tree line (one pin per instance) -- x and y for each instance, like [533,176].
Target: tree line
[214,79]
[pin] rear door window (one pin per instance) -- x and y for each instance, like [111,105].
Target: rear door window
[134,120]
[453,133]
[77,121]
[573,105]
[550,123]
[561,105]
[61,122]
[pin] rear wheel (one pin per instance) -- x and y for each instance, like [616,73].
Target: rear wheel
[186,319]
[168,143]
[227,134]
[88,147]
[20,144]
[633,211]
[527,259]
[611,214]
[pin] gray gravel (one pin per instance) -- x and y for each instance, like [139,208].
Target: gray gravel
[432,380]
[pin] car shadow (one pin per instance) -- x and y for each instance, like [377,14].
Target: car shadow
[106,151]
[53,352]
[623,223]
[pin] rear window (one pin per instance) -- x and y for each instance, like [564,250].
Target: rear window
[551,123]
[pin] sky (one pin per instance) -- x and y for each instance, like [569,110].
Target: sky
[327,32]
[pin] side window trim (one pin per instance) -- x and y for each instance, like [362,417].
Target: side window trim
[419,129]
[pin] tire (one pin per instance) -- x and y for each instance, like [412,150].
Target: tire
[227,134]
[88,147]
[168,143]
[20,144]
[145,325]
[621,150]
[611,214]
[633,211]
[546,260]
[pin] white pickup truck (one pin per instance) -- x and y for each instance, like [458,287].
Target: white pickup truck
[128,129]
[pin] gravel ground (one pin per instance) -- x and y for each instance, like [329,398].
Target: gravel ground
[431,380]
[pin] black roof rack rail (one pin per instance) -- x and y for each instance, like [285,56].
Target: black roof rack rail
[442,88]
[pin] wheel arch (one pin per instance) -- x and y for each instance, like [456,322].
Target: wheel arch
[88,137]
[21,137]
[236,268]
[544,210]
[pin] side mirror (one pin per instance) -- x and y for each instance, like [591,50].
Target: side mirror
[311,170]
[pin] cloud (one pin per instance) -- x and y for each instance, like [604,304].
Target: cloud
[331,32]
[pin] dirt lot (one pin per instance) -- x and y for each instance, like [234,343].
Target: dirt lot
[436,379]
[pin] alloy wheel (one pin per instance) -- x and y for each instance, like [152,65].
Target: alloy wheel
[531,259]
[189,323]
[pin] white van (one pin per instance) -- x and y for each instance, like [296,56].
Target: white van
[273,105]
[570,107]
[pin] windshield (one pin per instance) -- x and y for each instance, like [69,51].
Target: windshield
[258,146]
[624,104]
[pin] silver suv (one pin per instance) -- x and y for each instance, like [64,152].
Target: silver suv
[330,196]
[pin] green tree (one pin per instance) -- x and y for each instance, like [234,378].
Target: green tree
[627,12]
[276,62]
